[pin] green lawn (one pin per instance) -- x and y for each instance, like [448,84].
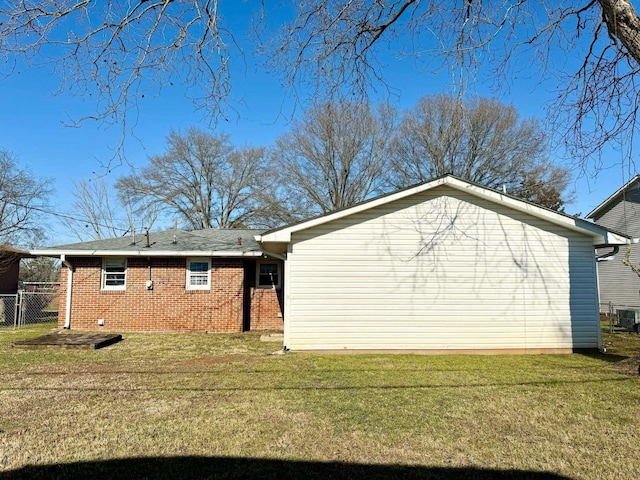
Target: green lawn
[223,406]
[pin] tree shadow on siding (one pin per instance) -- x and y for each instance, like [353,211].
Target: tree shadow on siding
[232,468]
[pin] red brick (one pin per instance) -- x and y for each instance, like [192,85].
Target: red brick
[169,307]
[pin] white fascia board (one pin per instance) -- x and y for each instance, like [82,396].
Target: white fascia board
[599,234]
[142,253]
[612,238]
[284,234]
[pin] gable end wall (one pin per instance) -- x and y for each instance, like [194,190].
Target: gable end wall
[441,270]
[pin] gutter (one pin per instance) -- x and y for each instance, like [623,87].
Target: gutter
[143,253]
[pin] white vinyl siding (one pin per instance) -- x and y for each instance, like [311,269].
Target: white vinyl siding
[440,270]
[618,283]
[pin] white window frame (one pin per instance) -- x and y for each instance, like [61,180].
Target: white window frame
[191,274]
[104,273]
[278,273]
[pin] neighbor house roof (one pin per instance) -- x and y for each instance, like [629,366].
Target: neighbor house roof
[601,235]
[169,243]
[600,209]
[7,250]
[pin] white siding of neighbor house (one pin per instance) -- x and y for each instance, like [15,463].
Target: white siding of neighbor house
[440,270]
[618,283]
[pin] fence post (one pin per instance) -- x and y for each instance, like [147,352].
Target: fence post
[610,317]
[23,307]
[16,311]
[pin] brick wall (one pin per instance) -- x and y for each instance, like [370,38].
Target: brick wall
[266,304]
[266,309]
[169,307]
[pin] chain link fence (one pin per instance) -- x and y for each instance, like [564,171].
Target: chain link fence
[620,317]
[8,305]
[28,308]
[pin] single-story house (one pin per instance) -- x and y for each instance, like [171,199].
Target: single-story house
[172,281]
[619,285]
[445,266]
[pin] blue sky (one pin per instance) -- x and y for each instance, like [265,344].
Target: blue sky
[31,126]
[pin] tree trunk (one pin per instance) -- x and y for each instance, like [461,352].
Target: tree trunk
[624,24]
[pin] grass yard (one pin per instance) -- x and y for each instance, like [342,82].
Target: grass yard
[222,406]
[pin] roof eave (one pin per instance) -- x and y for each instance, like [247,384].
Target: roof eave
[598,233]
[144,253]
[284,234]
[612,239]
[611,198]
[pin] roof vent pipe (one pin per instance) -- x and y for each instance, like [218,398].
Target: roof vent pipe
[147,236]
[239,240]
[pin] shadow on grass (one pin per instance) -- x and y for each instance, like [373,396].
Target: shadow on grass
[232,468]
[605,357]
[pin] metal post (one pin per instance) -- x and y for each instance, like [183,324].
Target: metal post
[16,310]
[610,317]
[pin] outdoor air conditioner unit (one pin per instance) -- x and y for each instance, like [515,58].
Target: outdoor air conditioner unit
[629,319]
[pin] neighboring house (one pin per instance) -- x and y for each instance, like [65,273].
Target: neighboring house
[619,285]
[10,268]
[446,266]
[172,281]
[9,279]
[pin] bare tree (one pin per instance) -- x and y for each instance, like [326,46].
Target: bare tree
[23,197]
[483,141]
[119,52]
[93,216]
[332,43]
[40,269]
[337,155]
[202,178]
[99,212]
[545,185]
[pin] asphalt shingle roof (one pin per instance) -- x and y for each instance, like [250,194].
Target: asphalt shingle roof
[239,241]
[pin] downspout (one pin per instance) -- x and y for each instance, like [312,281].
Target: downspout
[67,313]
[287,301]
[608,256]
[603,258]
[601,348]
